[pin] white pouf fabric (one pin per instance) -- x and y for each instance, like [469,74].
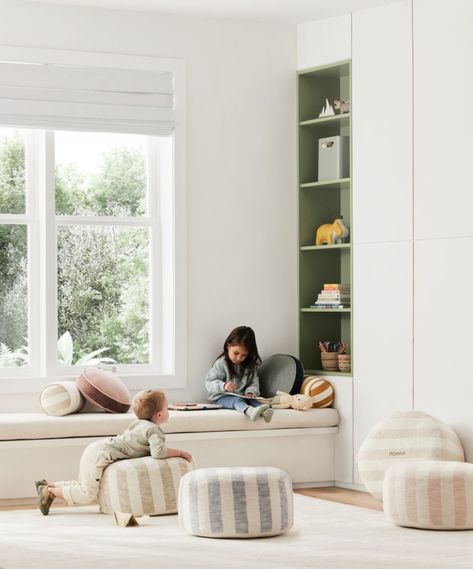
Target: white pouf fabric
[429,494]
[61,398]
[236,502]
[406,435]
[142,485]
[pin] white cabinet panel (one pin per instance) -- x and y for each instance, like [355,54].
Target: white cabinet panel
[382,124]
[344,442]
[443,122]
[443,333]
[323,42]
[382,345]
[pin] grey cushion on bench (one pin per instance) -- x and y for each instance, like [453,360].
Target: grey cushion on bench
[28,426]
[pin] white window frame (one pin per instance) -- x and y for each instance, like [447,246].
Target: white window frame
[42,221]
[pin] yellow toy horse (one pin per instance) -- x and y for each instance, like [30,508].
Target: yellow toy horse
[330,233]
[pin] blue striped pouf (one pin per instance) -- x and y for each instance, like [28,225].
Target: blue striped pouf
[236,502]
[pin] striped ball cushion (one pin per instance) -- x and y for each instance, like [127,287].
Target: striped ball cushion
[406,435]
[142,486]
[429,494]
[319,389]
[236,502]
[61,398]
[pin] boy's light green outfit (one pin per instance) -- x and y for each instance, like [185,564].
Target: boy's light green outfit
[142,438]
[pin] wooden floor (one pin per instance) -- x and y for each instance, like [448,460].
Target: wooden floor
[351,497]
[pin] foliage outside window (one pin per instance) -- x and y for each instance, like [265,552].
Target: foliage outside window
[106,244]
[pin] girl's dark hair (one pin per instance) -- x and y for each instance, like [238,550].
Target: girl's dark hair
[242,336]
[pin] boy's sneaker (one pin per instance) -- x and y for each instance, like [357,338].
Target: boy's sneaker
[45,498]
[39,483]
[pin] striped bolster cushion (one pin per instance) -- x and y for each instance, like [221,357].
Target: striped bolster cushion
[142,486]
[61,398]
[430,494]
[236,502]
[406,435]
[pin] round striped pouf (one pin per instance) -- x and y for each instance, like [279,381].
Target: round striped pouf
[429,494]
[141,486]
[405,435]
[236,502]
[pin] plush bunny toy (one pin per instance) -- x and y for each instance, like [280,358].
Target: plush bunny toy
[287,401]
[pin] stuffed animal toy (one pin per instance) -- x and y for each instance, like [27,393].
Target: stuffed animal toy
[286,401]
[342,106]
[330,233]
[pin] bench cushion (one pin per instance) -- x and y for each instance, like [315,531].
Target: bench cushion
[27,426]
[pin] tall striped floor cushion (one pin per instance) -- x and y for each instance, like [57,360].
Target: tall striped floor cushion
[142,486]
[429,494]
[406,435]
[236,502]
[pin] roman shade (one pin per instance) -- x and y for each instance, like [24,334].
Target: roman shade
[86,97]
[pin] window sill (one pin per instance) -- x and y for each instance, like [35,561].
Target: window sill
[12,385]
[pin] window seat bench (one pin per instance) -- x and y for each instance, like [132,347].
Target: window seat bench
[35,445]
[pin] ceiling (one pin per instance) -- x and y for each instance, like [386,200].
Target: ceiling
[271,11]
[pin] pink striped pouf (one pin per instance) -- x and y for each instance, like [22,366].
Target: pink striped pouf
[429,494]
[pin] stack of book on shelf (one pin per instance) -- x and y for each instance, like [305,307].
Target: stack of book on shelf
[334,296]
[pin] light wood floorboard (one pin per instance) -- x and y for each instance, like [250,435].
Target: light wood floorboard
[351,497]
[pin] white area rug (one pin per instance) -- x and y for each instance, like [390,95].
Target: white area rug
[326,535]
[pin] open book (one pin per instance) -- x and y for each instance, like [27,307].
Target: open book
[193,406]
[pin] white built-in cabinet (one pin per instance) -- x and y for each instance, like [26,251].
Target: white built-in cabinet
[443,220]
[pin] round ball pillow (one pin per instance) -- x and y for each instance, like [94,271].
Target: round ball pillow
[280,372]
[406,435]
[319,389]
[61,398]
[104,390]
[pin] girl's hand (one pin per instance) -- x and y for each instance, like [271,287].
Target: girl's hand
[185,455]
[230,386]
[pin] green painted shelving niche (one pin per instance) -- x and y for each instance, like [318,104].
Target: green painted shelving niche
[319,202]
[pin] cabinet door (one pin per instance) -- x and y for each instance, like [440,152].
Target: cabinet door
[382,124]
[442,333]
[443,51]
[382,344]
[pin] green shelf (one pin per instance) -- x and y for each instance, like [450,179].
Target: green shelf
[332,310]
[343,184]
[326,247]
[325,372]
[320,201]
[341,120]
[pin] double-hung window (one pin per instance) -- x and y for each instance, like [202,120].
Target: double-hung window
[92,216]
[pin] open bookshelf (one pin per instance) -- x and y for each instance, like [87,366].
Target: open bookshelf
[320,201]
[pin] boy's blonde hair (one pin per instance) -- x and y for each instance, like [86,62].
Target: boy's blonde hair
[147,403]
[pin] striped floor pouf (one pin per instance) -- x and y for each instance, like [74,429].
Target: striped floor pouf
[236,502]
[141,486]
[405,435]
[429,494]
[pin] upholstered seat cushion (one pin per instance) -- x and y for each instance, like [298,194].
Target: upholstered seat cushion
[406,435]
[142,486]
[429,494]
[237,502]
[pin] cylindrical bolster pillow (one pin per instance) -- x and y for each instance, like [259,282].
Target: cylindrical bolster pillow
[429,494]
[406,435]
[104,389]
[61,398]
[238,502]
[142,485]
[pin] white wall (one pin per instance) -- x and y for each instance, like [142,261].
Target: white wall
[241,145]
